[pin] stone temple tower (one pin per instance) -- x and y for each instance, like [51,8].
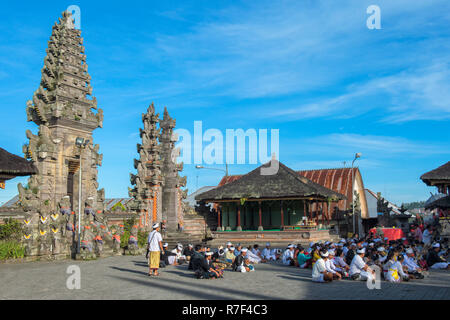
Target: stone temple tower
[157,189]
[64,110]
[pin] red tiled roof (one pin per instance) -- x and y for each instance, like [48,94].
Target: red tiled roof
[338,180]
[228,179]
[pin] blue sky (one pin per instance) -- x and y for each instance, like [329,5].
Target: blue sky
[310,68]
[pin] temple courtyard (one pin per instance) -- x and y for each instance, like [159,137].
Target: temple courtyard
[125,277]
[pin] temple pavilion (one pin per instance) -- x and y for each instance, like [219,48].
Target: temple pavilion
[12,166]
[439,178]
[279,202]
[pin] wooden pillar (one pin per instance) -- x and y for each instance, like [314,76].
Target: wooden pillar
[317,211]
[238,212]
[328,212]
[323,212]
[304,209]
[282,214]
[219,225]
[309,210]
[260,227]
[228,228]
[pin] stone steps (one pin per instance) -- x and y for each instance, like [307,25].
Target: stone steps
[183,238]
[276,238]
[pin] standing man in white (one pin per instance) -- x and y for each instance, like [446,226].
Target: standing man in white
[155,248]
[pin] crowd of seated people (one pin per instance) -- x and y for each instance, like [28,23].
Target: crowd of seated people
[358,259]
[353,258]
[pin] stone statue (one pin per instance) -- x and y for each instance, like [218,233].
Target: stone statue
[89,210]
[100,118]
[117,237]
[86,247]
[65,206]
[29,196]
[55,239]
[98,240]
[46,143]
[133,247]
[97,157]
[44,239]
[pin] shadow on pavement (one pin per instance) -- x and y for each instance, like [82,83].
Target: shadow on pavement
[189,292]
[129,270]
[196,282]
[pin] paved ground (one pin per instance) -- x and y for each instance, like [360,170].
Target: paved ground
[125,278]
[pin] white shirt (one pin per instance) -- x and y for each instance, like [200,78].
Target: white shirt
[267,253]
[410,263]
[400,269]
[286,255]
[329,266]
[393,268]
[318,268]
[179,254]
[426,237]
[357,265]
[339,261]
[153,240]
[345,250]
[382,259]
[253,257]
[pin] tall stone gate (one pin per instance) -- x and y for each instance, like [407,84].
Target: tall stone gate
[157,185]
[64,110]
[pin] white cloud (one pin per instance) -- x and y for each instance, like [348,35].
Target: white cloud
[290,48]
[373,147]
[420,94]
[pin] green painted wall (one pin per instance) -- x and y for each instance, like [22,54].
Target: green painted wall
[271,217]
[233,217]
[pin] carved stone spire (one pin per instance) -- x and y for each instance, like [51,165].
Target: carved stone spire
[172,194]
[65,84]
[147,181]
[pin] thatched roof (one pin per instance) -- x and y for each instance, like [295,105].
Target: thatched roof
[442,203]
[440,173]
[12,166]
[286,183]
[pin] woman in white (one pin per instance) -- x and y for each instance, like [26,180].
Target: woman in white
[393,271]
